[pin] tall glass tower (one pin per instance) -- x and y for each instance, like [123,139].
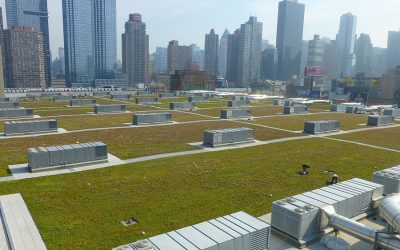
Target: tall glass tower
[90,40]
[289,38]
[32,13]
[78,41]
[105,37]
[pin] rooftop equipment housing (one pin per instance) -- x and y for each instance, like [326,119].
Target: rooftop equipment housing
[240,98]
[166,95]
[197,99]
[238,231]
[182,105]
[30,127]
[120,97]
[279,102]
[235,104]
[109,108]
[63,98]
[56,157]
[236,113]
[154,118]
[9,105]
[225,137]
[15,113]
[146,100]
[380,120]
[392,112]
[298,218]
[318,127]
[297,109]
[389,178]
[82,102]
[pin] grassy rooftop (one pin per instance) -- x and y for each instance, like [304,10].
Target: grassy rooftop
[84,210]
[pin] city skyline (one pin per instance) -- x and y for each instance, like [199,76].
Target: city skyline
[317,21]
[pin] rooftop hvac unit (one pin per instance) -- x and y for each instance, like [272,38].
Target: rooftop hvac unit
[63,98]
[120,97]
[240,98]
[197,99]
[82,102]
[166,95]
[182,106]
[389,178]
[9,105]
[279,102]
[15,113]
[297,109]
[238,231]
[147,119]
[41,159]
[299,217]
[109,108]
[30,127]
[317,127]
[236,113]
[379,120]
[392,112]
[146,100]
[223,137]
[234,104]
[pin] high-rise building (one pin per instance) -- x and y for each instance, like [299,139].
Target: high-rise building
[211,53]
[269,64]
[25,58]
[78,41]
[135,51]
[316,48]
[90,40]
[393,49]
[345,40]
[232,61]
[2,84]
[249,60]
[161,59]
[2,51]
[198,55]
[179,57]
[223,53]
[289,39]
[61,57]
[105,37]
[378,62]
[332,61]
[363,52]
[32,13]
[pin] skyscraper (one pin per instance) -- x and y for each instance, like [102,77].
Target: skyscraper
[135,50]
[179,57]
[289,38]
[315,55]
[249,60]
[105,37]
[269,63]
[393,49]
[25,57]
[78,41]
[345,40]
[32,13]
[233,57]
[363,52]
[223,53]
[211,53]
[161,59]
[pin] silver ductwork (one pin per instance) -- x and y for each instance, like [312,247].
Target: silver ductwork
[361,231]
[389,210]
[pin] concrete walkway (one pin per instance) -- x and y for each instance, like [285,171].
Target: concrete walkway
[362,144]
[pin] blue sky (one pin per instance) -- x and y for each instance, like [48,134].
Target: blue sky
[188,20]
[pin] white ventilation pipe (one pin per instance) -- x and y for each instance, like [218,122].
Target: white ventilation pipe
[361,231]
[389,210]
